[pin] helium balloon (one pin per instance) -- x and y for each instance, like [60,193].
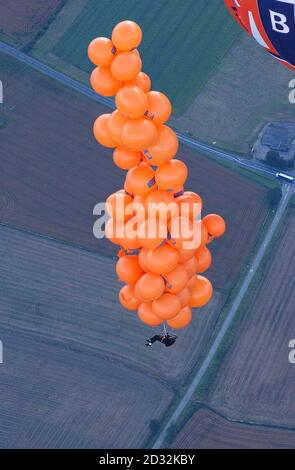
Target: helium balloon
[164,148]
[151,233]
[147,316]
[139,134]
[192,282]
[142,80]
[182,319]
[116,205]
[271,23]
[140,180]
[127,298]
[117,233]
[101,131]
[180,231]
[131,101]
[186,254]
[215,225]
[162,259]
[204,259]
[191,266]
[103,82]
[161,205]
[110,230]
[101,52]
[126,35]
[126,159]
[115,126]
[167,306]
[128,269]
[159,107]
[190,204]
[176,280]
[150,287]
[126,66]
[142,259]
[172,175]
[184,296]
[201,292]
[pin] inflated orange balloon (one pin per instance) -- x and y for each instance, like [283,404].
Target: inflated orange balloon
[128,269]
[101,52]
[142,80]
[142,259]
[190,204]
[151,233]
[140,180]
[101,131]
[150,287]
[186,254]
[215,225]
[127,298]
[103,82]
[131,101]
[184,296]
[167,306]
[159,107]
[201,292]
[176,280]
[180,231]
[192,282]
[126,159]
[116,232]
[162,259]
[115,126]
[139,134]
[182,319]
[126,35]
[111,228]
[165,147]
[191,266]
[204,259]
[147,316]
[172,175]
[126,66]
[116,205]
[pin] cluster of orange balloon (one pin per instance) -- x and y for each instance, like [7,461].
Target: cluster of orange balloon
[161,270]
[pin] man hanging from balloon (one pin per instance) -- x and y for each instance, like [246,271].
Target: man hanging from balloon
[154,221]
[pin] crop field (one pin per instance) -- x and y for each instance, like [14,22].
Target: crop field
[21,21]
[52,397]
[53,173]
[208,430]
[176,34]
[256,380]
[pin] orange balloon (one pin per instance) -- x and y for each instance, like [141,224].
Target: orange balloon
[172,175]
[182,319]
[116,205]
[101,52]
[116,232]
[191,266]
[101,131]
[103,82]
[184,296]
[147,316]
[110,230]
[131,101]
[142,80]
[165,147]
[167,306]
[204,259]
[176,280]
[139,134]
[215,225]
[115,126]
[126,159]
[201,292]
[162,259]
[126,35]
[192,282]
[159,107]
[161,205]
[150,287]
[127,298]
[186,254]
[126,66]
[128,269]
[180,231]
[190,204]
[151,233]
[142,259]
[140,180]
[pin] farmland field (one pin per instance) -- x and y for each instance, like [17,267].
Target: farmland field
[256,380]
[208,430]
[21,20]
[182,30]
[52,397]
[53,173]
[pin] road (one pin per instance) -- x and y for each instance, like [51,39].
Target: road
[287,193]
[85,90]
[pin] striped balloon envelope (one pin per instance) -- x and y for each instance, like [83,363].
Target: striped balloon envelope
[271,23]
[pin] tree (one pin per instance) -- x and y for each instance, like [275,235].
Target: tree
[273,158]
[274,196]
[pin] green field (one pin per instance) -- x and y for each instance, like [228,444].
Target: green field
[183,42]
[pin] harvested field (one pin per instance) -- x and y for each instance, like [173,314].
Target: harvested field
[256,380]
[208,430]
[53,173]
[22,20]
[52,397]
